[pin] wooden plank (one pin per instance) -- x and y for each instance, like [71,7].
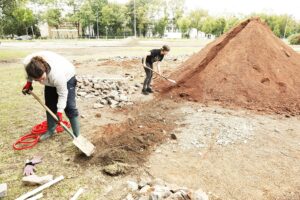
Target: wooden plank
[77,194]
[39,189]
[38,196]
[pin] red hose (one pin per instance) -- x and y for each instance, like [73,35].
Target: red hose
[30,140]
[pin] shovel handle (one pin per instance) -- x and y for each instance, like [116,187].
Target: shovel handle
[160,75]
[52,114]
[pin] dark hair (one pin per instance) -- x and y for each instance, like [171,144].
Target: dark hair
[165,48]
[37,67]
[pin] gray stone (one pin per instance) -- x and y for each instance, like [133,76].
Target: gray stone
[112,102]
[158,195]
[144,180]
[3,190]
[37,180]
[89,96]
[129,197]
[97,106]
[177,196]
[199,195]
[113,94]
[145,189]
[82,94]
[132,185]
[103,101]
[123,98]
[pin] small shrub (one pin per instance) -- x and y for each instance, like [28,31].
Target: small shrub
[294,39]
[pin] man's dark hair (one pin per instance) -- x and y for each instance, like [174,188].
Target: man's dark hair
[36,68]
[165,48]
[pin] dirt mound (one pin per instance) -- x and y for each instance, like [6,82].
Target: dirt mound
[247,67]
[131,142]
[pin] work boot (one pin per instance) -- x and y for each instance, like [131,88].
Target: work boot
[51,123]
[145,92]
[75,125]
[149,90]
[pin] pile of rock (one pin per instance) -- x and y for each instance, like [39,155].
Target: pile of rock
[157,189]
[106,92]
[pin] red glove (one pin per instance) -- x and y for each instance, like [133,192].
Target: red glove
[28,87]
[59,116]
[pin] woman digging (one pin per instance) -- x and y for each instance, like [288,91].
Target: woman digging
[155,55]
[58,76]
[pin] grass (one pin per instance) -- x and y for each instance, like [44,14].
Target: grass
[18,113]
[7,54]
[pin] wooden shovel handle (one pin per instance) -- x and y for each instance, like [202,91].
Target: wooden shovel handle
[160,74]
[52,114]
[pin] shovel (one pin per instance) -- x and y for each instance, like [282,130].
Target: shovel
[172,81]
[80,142]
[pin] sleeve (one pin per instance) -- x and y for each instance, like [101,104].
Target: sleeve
[60,83]
[153,53]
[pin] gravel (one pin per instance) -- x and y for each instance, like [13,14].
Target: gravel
[106,92]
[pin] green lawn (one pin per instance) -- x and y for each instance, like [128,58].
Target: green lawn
[7,54]
[18,113]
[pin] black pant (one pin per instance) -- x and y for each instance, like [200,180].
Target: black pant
[51,98]
[149,74]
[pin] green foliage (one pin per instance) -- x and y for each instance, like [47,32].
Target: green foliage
[281,25]
[197,17]
[215,26]
[114,18]
[294,39]
[184,25]
[151,15]
[231,22]
[53,17]
[160,26]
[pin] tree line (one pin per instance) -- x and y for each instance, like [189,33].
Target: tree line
[20,17]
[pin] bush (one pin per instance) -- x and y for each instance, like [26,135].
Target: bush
[294,39]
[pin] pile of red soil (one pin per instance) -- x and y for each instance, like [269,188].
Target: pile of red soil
[247,67]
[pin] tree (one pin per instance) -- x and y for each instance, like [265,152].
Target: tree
[197,17]
[160,26]
[53,17]
[74,15]
[86,16]
[114,18]
[24,18]
[231,22]
[142,15]
[214,26]
[176,8]
[184,25]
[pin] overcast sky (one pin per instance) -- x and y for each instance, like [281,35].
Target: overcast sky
[220,7]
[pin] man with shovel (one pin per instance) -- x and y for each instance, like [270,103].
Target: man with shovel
[155,55]
[58,76]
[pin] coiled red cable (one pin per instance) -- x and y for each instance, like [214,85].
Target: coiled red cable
[30,140]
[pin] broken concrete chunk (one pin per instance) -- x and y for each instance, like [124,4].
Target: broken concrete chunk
[3,190]
[129,197]
[146,189]
[133,186]
[97,106]
[145,180]
[37,180]
[199,195]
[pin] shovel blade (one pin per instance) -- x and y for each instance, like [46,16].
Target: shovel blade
[84,145]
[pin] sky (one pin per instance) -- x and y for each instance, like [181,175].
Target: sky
[220,7]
